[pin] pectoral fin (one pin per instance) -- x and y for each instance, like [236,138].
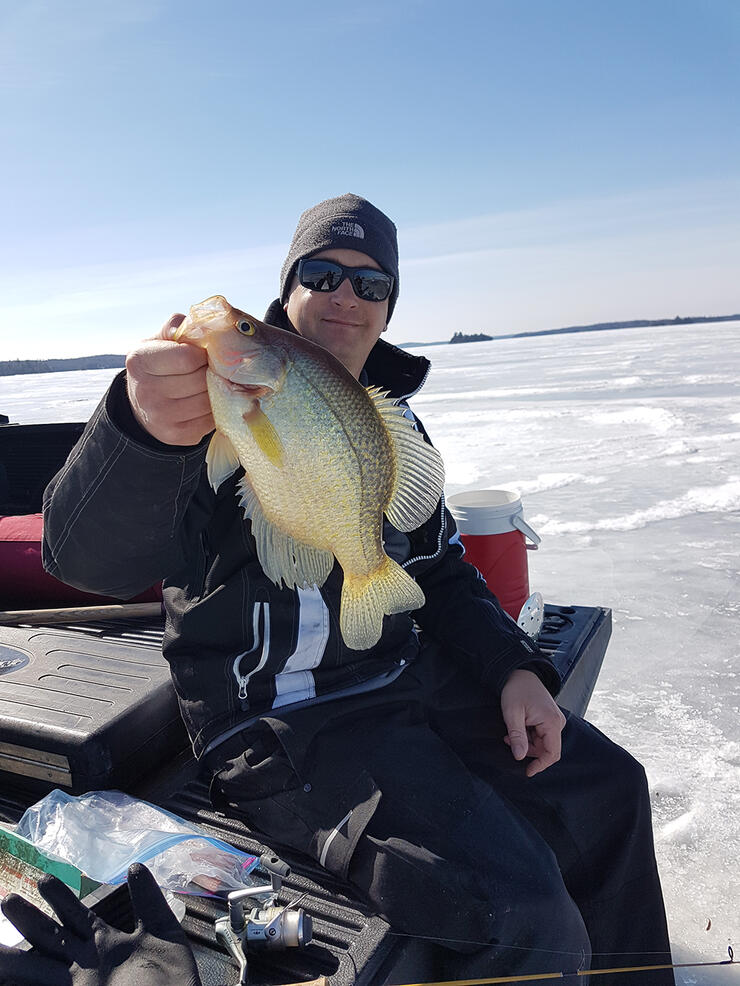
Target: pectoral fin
[221,459]
[264,434]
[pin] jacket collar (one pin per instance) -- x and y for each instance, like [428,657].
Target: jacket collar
[400,373]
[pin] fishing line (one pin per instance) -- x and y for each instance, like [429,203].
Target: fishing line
[533,977]
[581,972]
[524,948]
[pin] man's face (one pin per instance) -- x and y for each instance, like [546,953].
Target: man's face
[338,320]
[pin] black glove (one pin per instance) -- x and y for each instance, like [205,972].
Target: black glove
[86,951]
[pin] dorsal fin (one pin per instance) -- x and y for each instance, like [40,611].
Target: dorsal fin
[420,474]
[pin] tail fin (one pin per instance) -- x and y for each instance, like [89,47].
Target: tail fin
[366,598]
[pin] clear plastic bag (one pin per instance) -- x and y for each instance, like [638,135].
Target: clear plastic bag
[103,832]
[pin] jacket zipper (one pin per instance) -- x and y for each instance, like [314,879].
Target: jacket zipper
[440,538]
[242,680]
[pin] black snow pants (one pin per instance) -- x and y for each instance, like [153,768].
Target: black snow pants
[410,794]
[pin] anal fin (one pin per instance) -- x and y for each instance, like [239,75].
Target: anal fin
[282,557]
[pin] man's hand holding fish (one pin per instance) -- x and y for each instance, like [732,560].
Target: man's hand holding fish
[167,390]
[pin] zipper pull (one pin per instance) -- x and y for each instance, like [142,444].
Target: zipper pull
[243,687]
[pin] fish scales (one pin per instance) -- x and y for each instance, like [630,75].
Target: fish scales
[326,492]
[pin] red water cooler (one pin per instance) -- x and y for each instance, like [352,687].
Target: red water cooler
[494,533]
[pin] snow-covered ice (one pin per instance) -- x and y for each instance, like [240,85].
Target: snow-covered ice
[625,447]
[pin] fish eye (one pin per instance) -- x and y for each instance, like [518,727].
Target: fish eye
[245,327]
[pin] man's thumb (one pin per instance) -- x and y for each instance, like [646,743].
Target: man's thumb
[170,327]
[517,733]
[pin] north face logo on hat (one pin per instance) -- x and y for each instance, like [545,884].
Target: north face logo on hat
[348,229]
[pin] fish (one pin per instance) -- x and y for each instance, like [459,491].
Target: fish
[324,460]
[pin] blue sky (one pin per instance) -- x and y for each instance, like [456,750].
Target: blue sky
[547,162]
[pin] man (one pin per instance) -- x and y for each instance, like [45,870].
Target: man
[427,770]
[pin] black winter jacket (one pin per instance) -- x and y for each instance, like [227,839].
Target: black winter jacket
[126,511]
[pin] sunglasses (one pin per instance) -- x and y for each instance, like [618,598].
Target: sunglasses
[327,275]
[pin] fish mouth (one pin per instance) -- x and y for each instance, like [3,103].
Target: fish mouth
[252,390]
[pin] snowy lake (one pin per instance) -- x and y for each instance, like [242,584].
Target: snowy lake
[625,447]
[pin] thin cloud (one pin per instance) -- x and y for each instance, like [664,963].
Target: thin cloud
[38,38]
[689,208]
[651,254]
[71,309]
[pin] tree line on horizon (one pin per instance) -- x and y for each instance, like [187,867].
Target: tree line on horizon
[109,361]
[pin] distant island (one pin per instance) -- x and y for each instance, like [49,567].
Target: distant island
[106,362]
[595,327]
[470,337]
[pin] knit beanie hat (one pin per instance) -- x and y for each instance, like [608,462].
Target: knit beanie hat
[350,222]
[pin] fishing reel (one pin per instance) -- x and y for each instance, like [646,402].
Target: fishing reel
[265,925]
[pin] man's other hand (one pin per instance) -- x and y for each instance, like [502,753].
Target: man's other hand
[533,720]
[167,390]
[83,950]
